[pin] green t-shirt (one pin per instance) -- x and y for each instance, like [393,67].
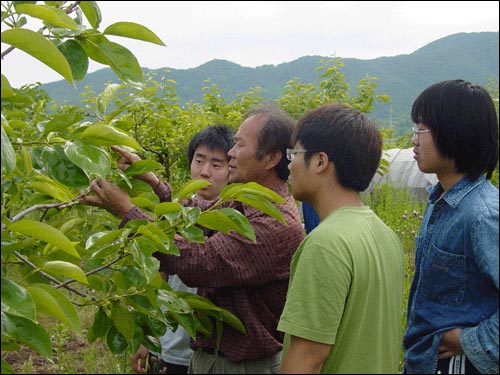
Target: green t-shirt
[346,290]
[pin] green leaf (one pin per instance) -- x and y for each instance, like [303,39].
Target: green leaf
[70,270]
[101,323]
[92,12]
[32,335]
[6,369]
[187,321]
[167,208]
[134,31]
[142,304]
[92,159]
[141,249]
[192,234]
[239,222]
[123,321]
[171,302]
[46,185]
[46,233]
[231,190]
[200,303]
[120,59]
[262,205]
[214,220]
[6,88]
[142,166]
[76,57]
[143,202]
[115,340]
[72,224]
[106,96]
[57,165]
[257,189]
[89,43]
[49,14]
[53,302]
[17,301]
[40,48]
[233,321]
[155,326]
[19,97]
[8,153]
[190,215]
[192,187]
[62,122]
[105,135]
[124,177]
[104,238]
[225,219]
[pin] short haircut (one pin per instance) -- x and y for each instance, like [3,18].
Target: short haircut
[214,137]
[464,125]
[275,134]
[349,139]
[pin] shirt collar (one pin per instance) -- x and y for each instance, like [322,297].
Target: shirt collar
[455,195]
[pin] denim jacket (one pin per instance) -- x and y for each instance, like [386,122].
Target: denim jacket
[456,277]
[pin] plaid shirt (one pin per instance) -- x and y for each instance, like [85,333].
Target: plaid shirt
[250,279]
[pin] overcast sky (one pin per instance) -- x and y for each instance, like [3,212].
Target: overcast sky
[256,33]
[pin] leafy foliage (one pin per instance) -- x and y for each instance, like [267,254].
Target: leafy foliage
[71,256]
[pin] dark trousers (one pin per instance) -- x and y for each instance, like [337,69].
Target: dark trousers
[159,366]
[458,364]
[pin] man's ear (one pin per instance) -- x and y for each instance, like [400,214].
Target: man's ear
[272,159]
[321,161]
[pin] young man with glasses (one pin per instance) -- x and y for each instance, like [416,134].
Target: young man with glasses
[452,321]
[343,306]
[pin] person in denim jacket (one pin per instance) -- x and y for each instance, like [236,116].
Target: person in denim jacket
[452,319]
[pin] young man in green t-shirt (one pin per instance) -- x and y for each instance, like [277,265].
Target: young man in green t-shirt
[344,304]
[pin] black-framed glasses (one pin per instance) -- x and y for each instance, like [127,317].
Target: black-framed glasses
[291,152]
[416,131]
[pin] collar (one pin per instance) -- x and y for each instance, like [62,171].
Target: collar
[454,196]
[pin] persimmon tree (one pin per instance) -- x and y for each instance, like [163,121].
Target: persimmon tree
[58,255]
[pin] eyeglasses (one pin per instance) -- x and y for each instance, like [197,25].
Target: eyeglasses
[290,153]
[417,131]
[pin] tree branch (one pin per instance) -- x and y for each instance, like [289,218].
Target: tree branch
[47,276]
[45,206]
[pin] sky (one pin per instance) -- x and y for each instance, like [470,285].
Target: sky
[256,33]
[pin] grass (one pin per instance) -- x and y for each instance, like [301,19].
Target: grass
[71,354]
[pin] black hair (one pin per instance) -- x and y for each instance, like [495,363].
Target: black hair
[464,125]
[275,134]
[214,137]
[349,139]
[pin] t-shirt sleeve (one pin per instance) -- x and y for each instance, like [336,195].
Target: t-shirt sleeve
[317,295]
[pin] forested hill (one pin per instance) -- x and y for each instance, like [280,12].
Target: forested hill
[470,56]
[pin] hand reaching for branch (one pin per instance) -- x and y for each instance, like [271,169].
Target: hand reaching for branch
[109,197]
[127,158]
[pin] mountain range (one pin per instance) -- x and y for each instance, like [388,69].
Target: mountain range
[470,56]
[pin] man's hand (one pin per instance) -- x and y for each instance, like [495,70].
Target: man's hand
[127,158]
[450,344]
[139,360]
[109,197]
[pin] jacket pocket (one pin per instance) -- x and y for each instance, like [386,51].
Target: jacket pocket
[444,278]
